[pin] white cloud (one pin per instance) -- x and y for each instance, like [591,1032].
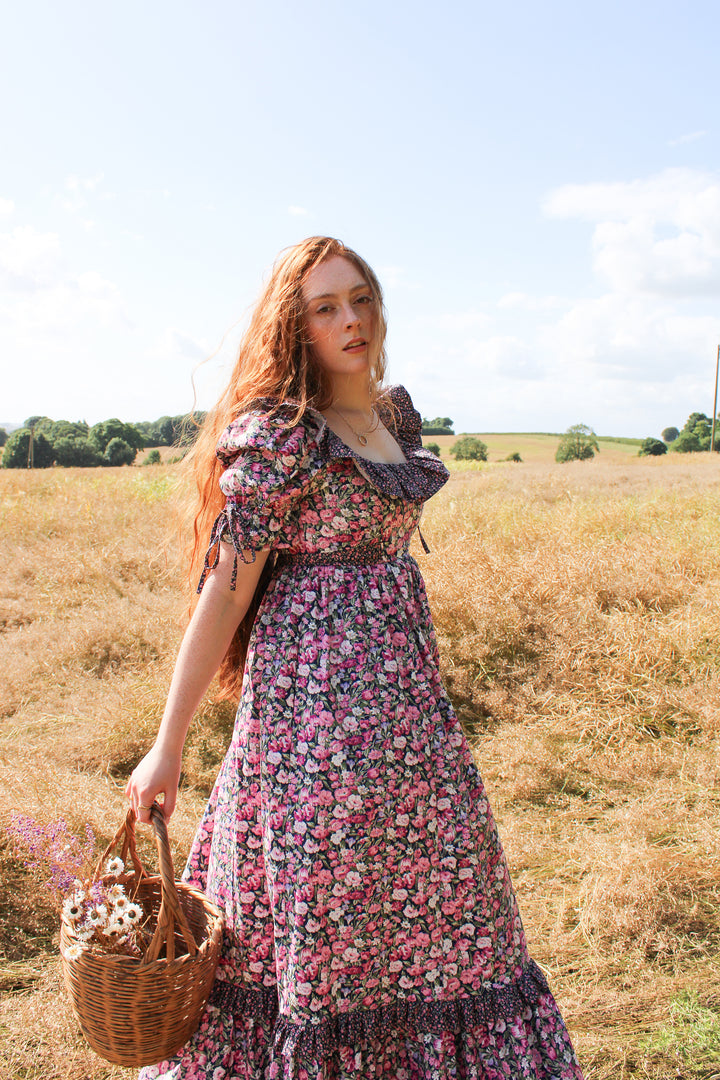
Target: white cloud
[631,359]
[692,136]
[174,343]
[526,302]
[83,183]
[57,325]
[28,259]
[659,235]
[7,207]
[298,211]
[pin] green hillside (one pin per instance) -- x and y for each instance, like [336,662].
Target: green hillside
[535,446]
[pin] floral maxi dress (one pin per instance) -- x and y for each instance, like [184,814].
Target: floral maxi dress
[371,927]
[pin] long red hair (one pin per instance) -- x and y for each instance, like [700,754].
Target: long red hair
[274,361]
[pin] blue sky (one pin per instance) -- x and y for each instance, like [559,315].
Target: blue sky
[537,186]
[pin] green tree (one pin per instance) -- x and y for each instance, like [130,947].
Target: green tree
[515,456]
[102,434]
[652,448]
[433,448]
[694,419]
[687,442]
[153,458]
[74,451]
[37,423]
[3,436]
[579,443]
[469,448]
[441,425]
[670,434]
[16,453]
[118,452]
[65,429]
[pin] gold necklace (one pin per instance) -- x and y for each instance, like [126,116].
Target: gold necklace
[361,436]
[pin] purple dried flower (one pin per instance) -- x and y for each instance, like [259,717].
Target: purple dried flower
[52,848]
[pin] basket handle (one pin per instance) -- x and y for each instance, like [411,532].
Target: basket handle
[170,912]
[126,833]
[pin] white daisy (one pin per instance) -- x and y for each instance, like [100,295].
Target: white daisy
[97,915]
[84,932]
[121,903]
[114,867]
[133,913]
[117,926]
[74,952]
[115,892]
[72,909]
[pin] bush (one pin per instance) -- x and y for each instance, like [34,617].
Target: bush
[16,454]
[687,442]
[579,443]
[118,452]
[433,448]
[652,448]
[439,425]
[3,436]
[102,434]
[469,448]
[515,456]
[670,434]
[78,452]
[153,458]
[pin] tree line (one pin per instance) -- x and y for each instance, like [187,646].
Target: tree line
[42,442]
[695,438]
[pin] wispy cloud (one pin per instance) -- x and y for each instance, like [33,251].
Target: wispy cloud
[298,211]
[83,183]
[7,207]
[692,136]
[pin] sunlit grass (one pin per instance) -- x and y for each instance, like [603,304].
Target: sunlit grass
[577,610]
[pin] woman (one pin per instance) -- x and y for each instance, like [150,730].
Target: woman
[371,925]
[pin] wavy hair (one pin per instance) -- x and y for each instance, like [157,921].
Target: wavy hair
[275,361]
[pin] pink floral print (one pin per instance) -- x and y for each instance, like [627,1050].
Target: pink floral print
[371,926]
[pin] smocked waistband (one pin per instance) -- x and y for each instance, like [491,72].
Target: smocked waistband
[364,554]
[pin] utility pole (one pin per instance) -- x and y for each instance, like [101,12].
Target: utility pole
[717,367]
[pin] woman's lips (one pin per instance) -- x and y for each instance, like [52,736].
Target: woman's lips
[357,343]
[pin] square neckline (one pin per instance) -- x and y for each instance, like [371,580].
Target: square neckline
[380,405]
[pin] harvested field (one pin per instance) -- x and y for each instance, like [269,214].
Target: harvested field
[577,609]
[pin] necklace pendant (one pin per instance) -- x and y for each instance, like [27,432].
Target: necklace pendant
[362,440]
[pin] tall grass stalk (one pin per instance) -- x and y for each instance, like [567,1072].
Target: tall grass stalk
[577,609]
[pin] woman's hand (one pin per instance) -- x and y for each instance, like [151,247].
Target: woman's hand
[158,773]
[219,611]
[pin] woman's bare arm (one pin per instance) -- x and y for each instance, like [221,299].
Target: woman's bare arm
[206,640]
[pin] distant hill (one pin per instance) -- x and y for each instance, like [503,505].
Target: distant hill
[536,446]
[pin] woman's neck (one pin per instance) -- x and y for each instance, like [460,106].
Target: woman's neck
[352,394]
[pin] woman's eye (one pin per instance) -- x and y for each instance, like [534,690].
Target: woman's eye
[364,300]
[324,309]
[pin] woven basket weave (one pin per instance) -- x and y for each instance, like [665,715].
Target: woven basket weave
[141,1011]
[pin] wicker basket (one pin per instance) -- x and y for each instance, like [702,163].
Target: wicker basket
[141,1011]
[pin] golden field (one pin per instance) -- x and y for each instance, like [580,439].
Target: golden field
[577,609]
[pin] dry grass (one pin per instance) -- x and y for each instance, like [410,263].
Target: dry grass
[577,609]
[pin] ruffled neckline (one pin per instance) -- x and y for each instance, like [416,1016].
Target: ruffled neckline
[420,476]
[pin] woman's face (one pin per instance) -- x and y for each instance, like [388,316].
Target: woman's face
[340,316]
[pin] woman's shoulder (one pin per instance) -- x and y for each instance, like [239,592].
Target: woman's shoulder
[270,429]
[268,446]
[396,402]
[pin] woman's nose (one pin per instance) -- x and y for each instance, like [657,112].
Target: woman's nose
[351,316]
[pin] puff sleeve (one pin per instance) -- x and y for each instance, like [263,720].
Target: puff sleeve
[269,465]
